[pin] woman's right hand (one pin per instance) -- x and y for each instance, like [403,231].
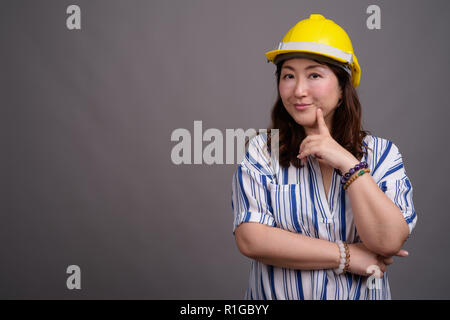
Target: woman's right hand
[362,258]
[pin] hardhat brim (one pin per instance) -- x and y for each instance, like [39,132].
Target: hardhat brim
[271,55]
[354,66]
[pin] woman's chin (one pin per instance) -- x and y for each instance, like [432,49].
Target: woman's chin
[305,122]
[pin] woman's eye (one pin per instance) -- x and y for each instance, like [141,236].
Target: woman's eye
[315,74]
[288,76]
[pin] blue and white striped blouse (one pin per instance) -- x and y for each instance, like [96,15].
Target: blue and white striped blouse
[295,200]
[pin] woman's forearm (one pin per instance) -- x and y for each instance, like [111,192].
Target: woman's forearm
[281,248]
[379,221]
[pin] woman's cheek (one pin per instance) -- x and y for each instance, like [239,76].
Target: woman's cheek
[320,92]
[285,89]
[283,92]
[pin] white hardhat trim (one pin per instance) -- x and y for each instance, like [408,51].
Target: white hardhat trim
[317,47]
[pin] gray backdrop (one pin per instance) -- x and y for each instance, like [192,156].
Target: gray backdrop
[87,116]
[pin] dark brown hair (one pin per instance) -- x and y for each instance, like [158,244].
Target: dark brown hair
[346,127]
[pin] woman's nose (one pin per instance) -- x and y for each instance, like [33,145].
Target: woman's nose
[300,89]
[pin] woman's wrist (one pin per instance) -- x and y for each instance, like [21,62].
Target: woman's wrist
[344,258]
[348,164]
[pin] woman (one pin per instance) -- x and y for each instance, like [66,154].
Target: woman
[323,220]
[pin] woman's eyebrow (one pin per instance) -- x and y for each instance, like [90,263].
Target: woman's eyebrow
[312,66]
[288,67]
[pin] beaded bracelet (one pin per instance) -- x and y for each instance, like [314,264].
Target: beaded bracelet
[354,177]
[361,165]
[344,258]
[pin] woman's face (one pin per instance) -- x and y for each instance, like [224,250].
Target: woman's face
[304,81]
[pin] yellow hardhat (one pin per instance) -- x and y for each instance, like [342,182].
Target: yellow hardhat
[319,36]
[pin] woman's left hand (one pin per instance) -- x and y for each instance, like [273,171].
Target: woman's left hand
[325,148]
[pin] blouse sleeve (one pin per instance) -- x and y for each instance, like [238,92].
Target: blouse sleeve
[250,195]
[390,175]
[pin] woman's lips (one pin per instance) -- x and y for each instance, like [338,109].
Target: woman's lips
[301,106]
